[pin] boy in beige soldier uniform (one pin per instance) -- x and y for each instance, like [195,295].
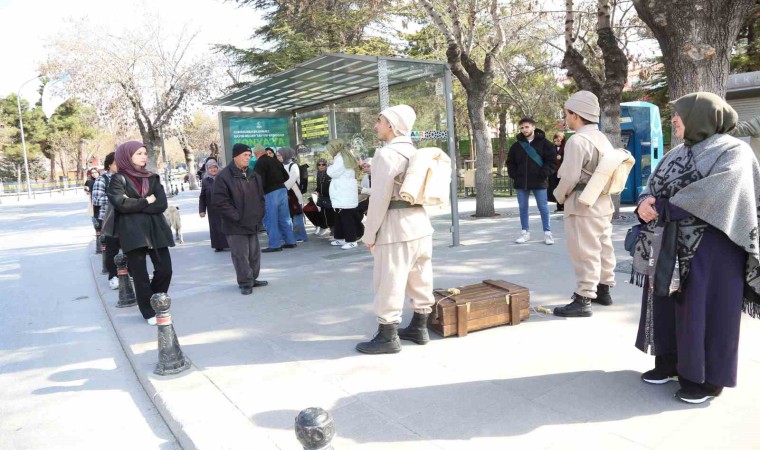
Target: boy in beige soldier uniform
[588,229]
[400,237]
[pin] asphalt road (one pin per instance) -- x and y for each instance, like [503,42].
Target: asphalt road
[64,379]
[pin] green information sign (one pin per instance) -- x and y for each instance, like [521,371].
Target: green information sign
[264,131]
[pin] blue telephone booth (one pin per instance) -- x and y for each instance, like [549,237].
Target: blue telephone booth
[641,132]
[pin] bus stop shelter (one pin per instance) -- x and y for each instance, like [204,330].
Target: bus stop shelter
[339,96]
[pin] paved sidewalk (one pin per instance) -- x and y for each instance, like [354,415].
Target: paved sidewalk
[547,383]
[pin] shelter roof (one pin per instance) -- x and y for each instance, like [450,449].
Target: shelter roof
[327,78]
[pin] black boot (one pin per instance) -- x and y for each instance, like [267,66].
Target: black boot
[579,307]
[603,295]
[385,341]
[417,331]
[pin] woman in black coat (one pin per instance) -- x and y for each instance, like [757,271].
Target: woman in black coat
[205,205]
[321,214]
[139,203]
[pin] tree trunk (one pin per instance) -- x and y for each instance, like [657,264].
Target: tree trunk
[52,167]
[484,160]
[214,149]
[502,141]
[190,161]
[696,38]
[152,140]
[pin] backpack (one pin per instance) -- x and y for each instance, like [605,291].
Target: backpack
[303,182]
[427,180]
[303,176]
[610,175]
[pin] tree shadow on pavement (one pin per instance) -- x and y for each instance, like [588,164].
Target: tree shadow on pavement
[490,408]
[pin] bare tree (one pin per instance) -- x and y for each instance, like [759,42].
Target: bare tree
[142,77]
[466,41]
[696,38]
[608,89]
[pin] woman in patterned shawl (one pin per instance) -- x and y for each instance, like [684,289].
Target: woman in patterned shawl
[697,253]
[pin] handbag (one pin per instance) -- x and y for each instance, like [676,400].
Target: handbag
[630,239]
[293,205]
[324,202]
[110,220]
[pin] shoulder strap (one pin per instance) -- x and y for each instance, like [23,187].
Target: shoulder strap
[594,162]
[532,153]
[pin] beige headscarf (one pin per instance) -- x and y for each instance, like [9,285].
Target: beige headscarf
[401,118]
[349,159]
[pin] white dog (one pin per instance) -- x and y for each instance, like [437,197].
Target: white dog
[175,221]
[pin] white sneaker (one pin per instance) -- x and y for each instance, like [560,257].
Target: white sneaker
[524,237]
[349,245]
[113,283]
[338,242]
[548,239]
[317,231]
[151,321]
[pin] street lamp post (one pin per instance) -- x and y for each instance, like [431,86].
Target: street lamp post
[23,140]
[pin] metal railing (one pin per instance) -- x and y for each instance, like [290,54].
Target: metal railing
[18,195]
[502,187]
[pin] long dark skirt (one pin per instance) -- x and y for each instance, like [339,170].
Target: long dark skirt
[349,225]
[218,239]
[553,183]
[323,219]
[701,324]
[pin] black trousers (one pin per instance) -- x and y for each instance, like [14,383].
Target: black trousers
[349,225]
[112,249]
[162,275]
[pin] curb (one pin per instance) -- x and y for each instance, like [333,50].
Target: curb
[196,411]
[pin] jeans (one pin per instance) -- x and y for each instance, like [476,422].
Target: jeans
[277,218]
[299,228]
[523,197]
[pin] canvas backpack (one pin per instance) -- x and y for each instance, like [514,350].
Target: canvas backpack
[427,180]
[610,175]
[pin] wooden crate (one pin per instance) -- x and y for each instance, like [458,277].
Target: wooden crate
[478,306]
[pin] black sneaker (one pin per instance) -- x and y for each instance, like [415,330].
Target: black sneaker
[658,376]
[697,395]
[290,246]
[271,250]
[246,290]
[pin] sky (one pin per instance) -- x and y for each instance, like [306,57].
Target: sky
[25,25]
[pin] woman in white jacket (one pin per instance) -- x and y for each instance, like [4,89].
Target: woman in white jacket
[344,194]
[294,173]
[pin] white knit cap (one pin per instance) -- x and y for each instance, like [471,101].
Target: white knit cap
[585,104]
[401,118]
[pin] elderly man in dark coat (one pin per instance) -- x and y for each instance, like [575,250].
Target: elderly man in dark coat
[239,199]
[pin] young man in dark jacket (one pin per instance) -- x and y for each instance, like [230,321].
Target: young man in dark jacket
[277,217]
[238,197]
[530,162]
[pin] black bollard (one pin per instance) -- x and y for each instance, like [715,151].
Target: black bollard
[315,429]
[171,360]
[126,290]
[98,248]
[104,270]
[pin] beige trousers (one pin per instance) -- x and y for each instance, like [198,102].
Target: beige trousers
[403,269]
[589,243]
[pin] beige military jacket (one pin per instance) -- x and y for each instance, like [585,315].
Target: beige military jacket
[579,153]
[386,226]
[751,129]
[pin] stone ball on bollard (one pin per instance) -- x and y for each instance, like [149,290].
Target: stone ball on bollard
[160,302]
[315,429]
